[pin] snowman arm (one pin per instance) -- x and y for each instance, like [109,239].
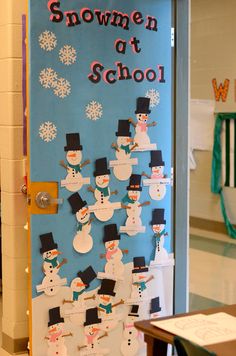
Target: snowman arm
[105,334]
[132,122]
[81,347]
[125,251]
[125,206]
[67,301]
[134,146]
[152,124]
[85,163]
[90,189]
[150,278]
[62,164]
[115,192]
[145,175]
[46,338]
[101,310]
[70,334]
[114,145]
[90,221]
[119,303]
[144,204]
[102,255]
[92,297]
[166,234]
[63,262]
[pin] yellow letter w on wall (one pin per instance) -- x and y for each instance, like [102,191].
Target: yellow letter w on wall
[221,92]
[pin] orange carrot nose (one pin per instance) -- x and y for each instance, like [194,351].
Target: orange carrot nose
[129,140]
[53,330]
[111,245]
[106,299]
[72,155]
[95,329]
[141,277]
[81,284]
[56,253]
[105,180]
[84,212]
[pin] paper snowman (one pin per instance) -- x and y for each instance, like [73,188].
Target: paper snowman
[130,202]
[83,241]
[74,179]
[157,181]
[78,286]
[140,280]
[56,334]
[114,267]
[141,126]
[103,209]
[106,306]
[52,282]
[122,168]
[92,331]
[130,344]
[158,226]
[155,308]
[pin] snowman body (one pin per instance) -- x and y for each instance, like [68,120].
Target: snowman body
[50,264]
[161,254]
[83,241]
[122,153]
[133,217]
[56,341]
[74,180]
[103,199]
[57,349]
[141,136]
[139,292]
[122,168]
[51,284]
[157,191]
[130,344]
[48,268]
[92,341]
[114,266]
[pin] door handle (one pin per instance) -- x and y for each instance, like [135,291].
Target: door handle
[43,200]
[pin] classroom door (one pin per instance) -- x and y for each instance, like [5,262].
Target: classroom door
[100,85]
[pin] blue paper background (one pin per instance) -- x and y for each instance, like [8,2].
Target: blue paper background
[94,42]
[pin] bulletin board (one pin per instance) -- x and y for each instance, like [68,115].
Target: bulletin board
[100,127]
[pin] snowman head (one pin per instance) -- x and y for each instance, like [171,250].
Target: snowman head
[159,170]
[134,195]
[124,140]
[104,299]
[139,277]
[130,319]
[142,118]
[158,228]
[74,157]
[55,328]
[102,181]
[83,215]
[77,285]
[92,329]
[50,255]
[111,245]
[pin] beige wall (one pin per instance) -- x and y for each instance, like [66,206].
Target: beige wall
[213,55]
[14,237]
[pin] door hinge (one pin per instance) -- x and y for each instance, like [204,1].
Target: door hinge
[172,37]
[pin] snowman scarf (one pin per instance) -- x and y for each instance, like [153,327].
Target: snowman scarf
[143,126]
[227,121]
[127,199]
[104,191]
[90,338]
[142,285]
[80,226]
[110,253]
[76,167]
[126,149]
[77,294]
[107,308]
[53,262]
[55,336]
[158,235]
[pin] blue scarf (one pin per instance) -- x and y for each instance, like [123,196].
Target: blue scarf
[53,262]
[77,294]
[159,235]
[80,226]
[108,308]
[142,285]
[105,191]
[126,149]
[126,199]
[76,167]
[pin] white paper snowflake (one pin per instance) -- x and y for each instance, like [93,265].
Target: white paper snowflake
[93,110]
[48,78]
[47,131]
[154,97]
[67,55]
[47,40]
[62,88]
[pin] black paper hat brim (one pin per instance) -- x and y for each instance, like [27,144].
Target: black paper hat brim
[73,148]
[60,320]
[112,238]
[142,111]
[160,164]
[155,311]
[112,294]
[124,134]
[97,321]
[75,210]
[135,189]
[102,173]
[140,270]
[158,222]
[54,246]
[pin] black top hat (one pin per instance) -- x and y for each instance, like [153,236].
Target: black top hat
[156,159]
[47,242]
[92,317]
[139,265]
[110,233]
[142,106]
[107,287]
[101,167]
[134,310]
[155,305]
[135,182]
[87,276]
[73,142]
[76,202]
[55,317]
[158,217]
[123,128]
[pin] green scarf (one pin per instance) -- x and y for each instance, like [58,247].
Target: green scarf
[80,226]
[217,166]
[105,191]
[159,235]
[76,167]
[53,262]
[126,149]
[126,199]
[108,308]
[142,285]
[77,294]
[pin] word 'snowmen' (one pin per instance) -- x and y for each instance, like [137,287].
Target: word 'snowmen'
[74,180]
[106,295]
[103,208]
[130,344]
[114,267]
[130,202]
[140,279]
[83,241]
[79,299]
[92,331]
[56,334]
[157,181]
[52,282]
[141,127]
[122,168]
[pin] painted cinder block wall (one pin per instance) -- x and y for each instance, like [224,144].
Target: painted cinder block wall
[13,202]
[213,55]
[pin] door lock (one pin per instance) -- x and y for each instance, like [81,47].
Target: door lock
[43,200]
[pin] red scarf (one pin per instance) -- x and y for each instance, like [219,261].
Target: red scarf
[143,126]
[53,337]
